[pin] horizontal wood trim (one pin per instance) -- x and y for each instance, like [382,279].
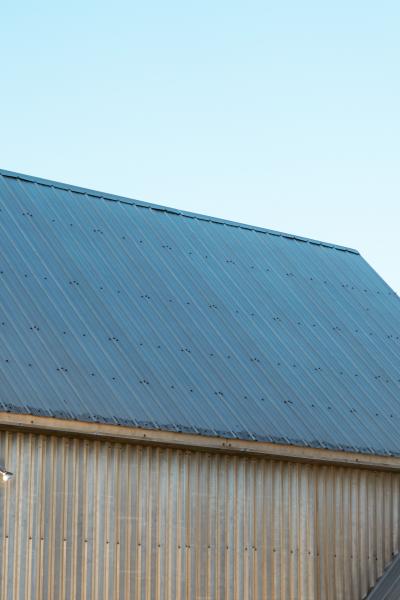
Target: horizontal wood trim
[196,442]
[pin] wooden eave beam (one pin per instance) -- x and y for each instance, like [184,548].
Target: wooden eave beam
[135,435]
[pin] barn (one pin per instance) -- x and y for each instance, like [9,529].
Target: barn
[190,408]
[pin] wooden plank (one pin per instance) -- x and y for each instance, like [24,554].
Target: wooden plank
[185,440]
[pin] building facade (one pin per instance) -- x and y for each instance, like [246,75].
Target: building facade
[102,519]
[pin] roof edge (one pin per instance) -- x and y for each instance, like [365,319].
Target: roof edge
[388,584]
[196,442]
[158,207]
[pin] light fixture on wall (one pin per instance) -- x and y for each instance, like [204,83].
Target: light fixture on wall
[5,474]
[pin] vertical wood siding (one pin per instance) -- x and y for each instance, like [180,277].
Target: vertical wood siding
[93,520]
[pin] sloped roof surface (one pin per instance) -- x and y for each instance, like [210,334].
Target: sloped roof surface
[388,586]
[114,310]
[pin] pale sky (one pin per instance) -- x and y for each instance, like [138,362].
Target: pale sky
[282,114]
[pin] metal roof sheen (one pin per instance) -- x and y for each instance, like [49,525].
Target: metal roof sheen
[118,311]
[388,586]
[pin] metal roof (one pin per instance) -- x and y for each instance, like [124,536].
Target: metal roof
[388,586]
[118,311]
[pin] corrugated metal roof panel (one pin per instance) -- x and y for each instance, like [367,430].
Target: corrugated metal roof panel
[135,314]
[388,586]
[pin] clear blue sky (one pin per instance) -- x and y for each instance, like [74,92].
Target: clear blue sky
[282,114]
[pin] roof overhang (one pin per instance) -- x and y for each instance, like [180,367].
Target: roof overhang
[388,586]
[135,435]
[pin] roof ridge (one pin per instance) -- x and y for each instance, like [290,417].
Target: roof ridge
[158,207]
